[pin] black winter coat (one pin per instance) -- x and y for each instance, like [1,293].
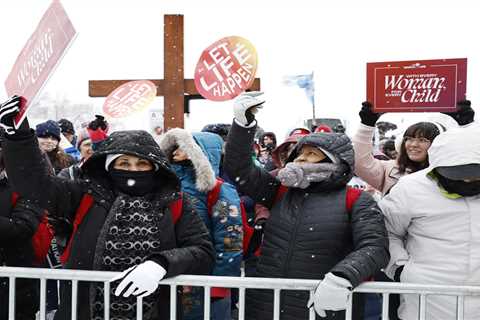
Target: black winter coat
[309,232]
[185,247]
[17,226]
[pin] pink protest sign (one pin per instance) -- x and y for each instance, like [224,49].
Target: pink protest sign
[130,97]
[226,69]
[40,55]
[417,86]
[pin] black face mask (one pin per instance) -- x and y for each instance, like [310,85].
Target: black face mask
[133,183]
[466,189]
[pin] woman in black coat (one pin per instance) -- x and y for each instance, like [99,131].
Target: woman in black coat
[129,223]
[318,227]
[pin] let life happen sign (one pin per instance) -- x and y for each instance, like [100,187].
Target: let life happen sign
[417,86]
[130,97]
[226,69]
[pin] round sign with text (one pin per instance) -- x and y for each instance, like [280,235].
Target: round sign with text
[226,69]
[130,97]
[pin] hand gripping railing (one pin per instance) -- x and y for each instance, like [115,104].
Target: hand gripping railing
[242,283]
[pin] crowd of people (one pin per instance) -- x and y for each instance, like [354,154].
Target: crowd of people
[235,198]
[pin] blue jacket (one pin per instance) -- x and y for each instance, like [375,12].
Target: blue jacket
[198,178]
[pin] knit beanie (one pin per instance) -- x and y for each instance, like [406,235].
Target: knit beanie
[48,129]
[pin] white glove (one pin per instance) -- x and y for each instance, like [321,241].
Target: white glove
[245,106]
[331,294]
[140,280]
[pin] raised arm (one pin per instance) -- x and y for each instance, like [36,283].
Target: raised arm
[249,178]
[368,168]
[26,167]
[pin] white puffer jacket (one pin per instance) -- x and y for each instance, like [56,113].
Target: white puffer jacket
[434,235]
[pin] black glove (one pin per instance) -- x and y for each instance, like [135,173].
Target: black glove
[367,116]
[99,122]
[464,114]
[8,111]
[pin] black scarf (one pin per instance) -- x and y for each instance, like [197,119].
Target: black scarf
[466,189]
[133,183]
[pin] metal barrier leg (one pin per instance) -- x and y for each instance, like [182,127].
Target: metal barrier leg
[423,307]
[460,307]
[74,299]
[173,302]
[241,304]
[385,305]
[106,300]
[11,298]
[139,308]
[311,312]
[276,304]
[206,303]
[348,312]
[43,298]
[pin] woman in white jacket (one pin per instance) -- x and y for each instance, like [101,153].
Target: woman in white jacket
[433,221]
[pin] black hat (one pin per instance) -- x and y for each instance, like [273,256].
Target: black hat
[66,126]
[221,129]
[461,172]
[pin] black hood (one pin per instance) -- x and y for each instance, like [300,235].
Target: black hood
[268,134]
[137,143]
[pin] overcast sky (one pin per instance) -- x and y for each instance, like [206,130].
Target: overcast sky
[124,39]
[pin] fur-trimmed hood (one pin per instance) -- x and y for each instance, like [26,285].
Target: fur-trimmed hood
[204,150]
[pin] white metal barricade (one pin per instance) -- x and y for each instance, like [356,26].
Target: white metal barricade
[242,283]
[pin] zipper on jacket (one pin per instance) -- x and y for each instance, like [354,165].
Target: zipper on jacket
[299,219]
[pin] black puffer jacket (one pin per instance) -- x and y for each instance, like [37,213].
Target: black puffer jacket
[309,232]
[17,225]
[185,247]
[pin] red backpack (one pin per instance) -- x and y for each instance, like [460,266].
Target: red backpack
[42,237]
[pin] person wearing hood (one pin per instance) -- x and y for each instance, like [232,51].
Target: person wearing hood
[432,217]
[196,158]
[312,232]
[123,218]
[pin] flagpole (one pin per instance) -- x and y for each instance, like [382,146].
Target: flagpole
[314,120]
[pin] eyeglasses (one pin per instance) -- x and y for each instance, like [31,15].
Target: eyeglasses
[420,140]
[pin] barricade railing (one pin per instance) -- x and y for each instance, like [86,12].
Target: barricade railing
[242,283]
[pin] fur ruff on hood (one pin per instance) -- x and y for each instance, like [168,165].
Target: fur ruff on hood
[205,179]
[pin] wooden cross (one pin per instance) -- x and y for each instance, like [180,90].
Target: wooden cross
[176,90]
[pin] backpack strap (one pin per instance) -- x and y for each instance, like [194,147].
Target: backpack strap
[352,195]
[213,195]
[176,208]
[85,205]
[280,193]
[15,197]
